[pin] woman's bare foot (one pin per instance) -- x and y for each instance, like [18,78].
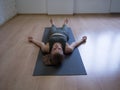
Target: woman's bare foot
[51,21]
[66,21]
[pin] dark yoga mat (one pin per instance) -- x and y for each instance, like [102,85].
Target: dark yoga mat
[72,64]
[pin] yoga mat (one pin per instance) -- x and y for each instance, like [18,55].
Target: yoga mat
[72,65]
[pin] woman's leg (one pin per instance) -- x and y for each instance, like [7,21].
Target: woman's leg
[53,27]
[65,29]
[65,24]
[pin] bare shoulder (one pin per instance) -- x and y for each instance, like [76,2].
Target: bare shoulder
[68,49]
[46,48]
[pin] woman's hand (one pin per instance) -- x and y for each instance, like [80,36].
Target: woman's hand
[30,39]
[84,38]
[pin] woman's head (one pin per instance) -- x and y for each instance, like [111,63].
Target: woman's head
[57,55]
[57,48]
[57,58]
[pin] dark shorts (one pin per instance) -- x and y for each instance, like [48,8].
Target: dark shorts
[62,30]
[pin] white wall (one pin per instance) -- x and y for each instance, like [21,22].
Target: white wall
[31,6]
[60,6]
[115,6]
[47,6]
[92,6]
[7,10]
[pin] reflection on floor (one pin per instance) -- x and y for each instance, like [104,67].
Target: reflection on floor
[101,52]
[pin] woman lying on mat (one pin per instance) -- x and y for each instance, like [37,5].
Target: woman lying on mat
[57,45]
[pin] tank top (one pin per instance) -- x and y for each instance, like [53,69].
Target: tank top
[62,39]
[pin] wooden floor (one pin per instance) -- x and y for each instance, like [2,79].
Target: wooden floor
[100,54]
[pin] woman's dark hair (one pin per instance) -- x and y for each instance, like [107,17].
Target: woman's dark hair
[57,58]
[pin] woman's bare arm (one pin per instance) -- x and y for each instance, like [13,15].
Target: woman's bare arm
[71,47]
[39,44]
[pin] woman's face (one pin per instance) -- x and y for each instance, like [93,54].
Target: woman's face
[57,48]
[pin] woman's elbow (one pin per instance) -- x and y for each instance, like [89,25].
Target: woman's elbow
[69,50]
